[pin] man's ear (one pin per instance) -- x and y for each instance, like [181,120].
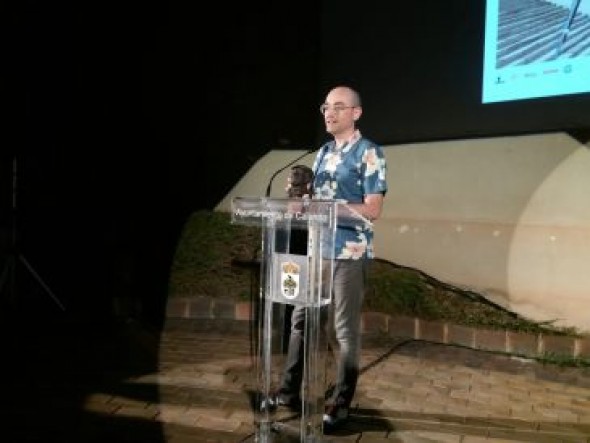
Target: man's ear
[357,112]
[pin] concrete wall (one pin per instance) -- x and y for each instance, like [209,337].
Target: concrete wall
[507,217]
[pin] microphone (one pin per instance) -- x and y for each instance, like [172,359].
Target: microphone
[268,188]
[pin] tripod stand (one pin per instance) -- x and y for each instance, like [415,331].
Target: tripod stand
[8,278]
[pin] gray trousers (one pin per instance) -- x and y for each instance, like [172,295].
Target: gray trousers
[343,330]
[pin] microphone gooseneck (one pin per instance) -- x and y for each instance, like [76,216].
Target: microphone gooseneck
[268,188]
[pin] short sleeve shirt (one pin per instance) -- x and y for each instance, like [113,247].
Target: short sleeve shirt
[349,173]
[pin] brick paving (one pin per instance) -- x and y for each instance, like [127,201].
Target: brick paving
[113,383]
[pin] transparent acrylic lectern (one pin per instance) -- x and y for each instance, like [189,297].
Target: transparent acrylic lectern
[296,268]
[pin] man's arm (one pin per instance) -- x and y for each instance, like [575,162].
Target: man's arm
[371,207]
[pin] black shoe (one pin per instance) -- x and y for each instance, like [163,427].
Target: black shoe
[334,417]
[288,400]
[269,403]
[281,398]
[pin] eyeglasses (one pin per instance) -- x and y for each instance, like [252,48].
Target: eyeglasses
[336,108]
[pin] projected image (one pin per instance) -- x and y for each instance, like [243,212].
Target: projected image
[536,48]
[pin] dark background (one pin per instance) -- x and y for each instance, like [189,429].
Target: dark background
[125,117]
[419,66]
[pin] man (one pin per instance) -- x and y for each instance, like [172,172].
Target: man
[350,167]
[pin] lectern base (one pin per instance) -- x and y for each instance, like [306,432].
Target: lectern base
[283,432]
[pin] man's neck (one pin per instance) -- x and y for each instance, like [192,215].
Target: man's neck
[342,139]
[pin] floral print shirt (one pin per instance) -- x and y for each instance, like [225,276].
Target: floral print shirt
[350,172]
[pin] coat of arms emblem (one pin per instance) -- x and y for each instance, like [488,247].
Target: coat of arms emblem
[290,272]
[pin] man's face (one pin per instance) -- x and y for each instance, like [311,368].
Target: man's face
[340,112]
